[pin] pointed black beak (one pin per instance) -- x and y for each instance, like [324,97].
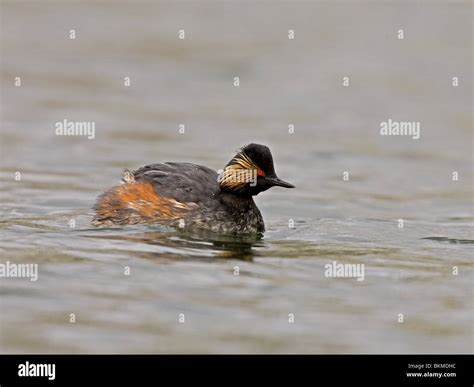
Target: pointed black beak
[276,181]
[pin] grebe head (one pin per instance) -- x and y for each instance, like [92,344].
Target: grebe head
[250,172]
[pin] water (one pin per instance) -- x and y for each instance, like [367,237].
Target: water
[408,270]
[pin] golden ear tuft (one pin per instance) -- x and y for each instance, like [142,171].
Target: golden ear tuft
[244,161]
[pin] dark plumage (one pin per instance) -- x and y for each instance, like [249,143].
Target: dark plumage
[189,195]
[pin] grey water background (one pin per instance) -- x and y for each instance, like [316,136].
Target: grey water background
[81,270]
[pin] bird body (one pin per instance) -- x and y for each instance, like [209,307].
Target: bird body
[186,195]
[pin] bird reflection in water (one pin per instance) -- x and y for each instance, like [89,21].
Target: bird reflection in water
[184,245]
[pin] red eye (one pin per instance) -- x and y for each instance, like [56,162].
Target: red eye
[260,172]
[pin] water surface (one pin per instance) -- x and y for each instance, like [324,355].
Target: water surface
[408,270]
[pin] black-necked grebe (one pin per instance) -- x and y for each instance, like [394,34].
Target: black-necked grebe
[187,195]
